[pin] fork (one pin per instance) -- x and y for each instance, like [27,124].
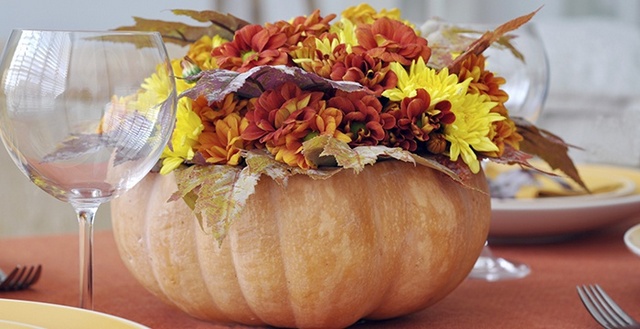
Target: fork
[22,277]
[604,309]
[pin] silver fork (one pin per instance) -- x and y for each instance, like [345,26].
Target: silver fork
[21,277]
[604,309]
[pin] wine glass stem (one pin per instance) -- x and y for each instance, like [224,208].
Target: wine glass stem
[86,216]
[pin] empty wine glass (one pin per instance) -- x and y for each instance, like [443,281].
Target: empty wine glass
[85,115]
[527,84]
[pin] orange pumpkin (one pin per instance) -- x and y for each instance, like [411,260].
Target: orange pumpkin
[391,240]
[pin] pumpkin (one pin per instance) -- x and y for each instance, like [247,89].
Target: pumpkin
[388,241]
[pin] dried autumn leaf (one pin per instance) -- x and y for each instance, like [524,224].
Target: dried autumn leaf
[327,149]
[172,32]
[446,39]
[222,192]
[549,147]
[262,163]
[183,34]
[226,22]
[216,84]
[489,37]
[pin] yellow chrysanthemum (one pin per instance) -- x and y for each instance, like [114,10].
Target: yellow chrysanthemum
[184,139]
[364,13]
[470,131]
[440,85]
[346,32]
[155,90]
[200,51]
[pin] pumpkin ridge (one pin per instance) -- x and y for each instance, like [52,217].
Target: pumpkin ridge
[201,259]
[148,235]
[353,274]
[291,309]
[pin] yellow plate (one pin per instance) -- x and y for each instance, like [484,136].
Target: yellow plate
[561,216]
[25,314]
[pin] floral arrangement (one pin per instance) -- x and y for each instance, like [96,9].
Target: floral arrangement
[318,94]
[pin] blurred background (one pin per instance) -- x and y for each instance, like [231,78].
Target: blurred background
[593,48]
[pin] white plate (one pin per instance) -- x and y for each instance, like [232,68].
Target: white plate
[632,239]
[551,218]
[25,314]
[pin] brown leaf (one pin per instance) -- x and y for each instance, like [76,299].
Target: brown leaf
[172,32]
[224,21]
[489,37]
[549,147]
[183,34]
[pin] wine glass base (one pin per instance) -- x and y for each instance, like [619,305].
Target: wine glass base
[491,268]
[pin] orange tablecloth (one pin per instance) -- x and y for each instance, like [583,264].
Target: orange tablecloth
[545,299]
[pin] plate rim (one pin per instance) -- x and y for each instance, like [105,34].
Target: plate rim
[52,306]
[558,219]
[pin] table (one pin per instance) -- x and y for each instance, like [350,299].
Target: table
[547,298]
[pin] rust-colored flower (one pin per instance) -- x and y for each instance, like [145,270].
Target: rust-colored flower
[253,45]
[417,119]
[285,117]
[391,41]
[482,81]
[504,132]
[366,70]
[364,122]
[319,55]
[302,27]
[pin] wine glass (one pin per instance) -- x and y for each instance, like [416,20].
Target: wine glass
[85,115]
[527,84]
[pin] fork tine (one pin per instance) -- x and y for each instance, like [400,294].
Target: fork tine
[4,285]
[622,317]
[589,303]
[603,309]
[21,278]
[25,280]
[36,276]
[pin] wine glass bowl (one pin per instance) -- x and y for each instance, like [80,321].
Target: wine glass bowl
[527,78]
[527,84]
[85,115]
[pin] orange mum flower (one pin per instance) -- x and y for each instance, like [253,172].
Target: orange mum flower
[366,70]
[392,41]
[253,45]
[482,81]
[417,119]
[364,122]
[285,117]
[220,141]
[223,145]
[302,27]
[318,55]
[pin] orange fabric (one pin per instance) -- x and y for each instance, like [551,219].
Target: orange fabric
[547,298]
